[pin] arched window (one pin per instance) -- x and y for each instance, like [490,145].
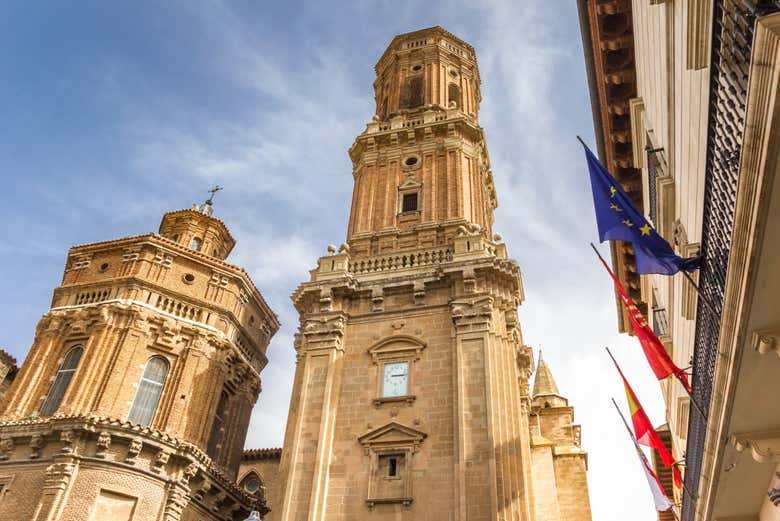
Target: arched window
[149,390]
[453,94]
[252,484]
[414,94]
[196,243]
[216,427]
[62,381]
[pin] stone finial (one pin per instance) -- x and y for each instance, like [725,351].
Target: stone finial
[331,249]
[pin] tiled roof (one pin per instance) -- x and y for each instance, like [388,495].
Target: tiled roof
[267,453]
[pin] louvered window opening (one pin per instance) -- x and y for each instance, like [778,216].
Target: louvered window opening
[414,93]
[216,427]
[732,40]
[62,381]
[147,397]
[409,203]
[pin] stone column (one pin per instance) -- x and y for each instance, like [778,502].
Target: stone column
[309,440]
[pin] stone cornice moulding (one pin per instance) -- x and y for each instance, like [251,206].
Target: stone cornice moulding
[157,241]
[396,346]
[222,336]
[759,160]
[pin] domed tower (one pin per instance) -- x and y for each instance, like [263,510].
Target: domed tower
[134,399]
[411,397]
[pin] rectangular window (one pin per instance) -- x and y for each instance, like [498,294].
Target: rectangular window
[111,506]
[395,381]
[409,203]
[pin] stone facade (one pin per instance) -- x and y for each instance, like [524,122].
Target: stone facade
[260,466]
[411,397]
[134,399]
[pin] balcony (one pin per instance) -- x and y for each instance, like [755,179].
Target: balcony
[732,48]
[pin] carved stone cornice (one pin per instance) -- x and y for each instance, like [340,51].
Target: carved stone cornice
[108,441]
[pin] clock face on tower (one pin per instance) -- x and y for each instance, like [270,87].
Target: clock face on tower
[395,380]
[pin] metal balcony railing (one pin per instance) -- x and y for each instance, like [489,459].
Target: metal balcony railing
[732,40]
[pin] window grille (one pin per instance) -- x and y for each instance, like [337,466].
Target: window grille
[409,203]
[62,381]
[149,391]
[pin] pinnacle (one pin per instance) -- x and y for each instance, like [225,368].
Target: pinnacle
[544,383]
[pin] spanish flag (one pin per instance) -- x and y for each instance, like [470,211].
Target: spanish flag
[644,431]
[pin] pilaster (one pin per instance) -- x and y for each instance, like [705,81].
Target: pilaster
[320,360]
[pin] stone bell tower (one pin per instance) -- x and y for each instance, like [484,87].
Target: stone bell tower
[411,396]
[134,400]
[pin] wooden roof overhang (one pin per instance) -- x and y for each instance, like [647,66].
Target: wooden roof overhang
[608,45]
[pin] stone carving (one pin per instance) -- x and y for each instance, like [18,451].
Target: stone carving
[174,505]
[6,447]
[36,443]
[103,443]
[763,446]
[189,472]
[67,438]
[766,342]
[204,489]
[472,308]
[324,325]
[134,450]
[160,459]
[59,473]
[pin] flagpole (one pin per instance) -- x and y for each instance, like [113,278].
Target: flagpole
[623,417]
[685,388]
[630,432]
[699,292]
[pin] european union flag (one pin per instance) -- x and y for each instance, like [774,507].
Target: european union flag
[619,219]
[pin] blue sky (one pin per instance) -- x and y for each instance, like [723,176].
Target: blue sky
[116,113]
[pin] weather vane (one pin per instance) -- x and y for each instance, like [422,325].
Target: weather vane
[213,192]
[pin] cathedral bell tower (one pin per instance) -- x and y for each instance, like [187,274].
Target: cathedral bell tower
[133,402]
[411,397]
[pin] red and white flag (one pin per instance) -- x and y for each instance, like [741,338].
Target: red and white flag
[655,352]
[661,500]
